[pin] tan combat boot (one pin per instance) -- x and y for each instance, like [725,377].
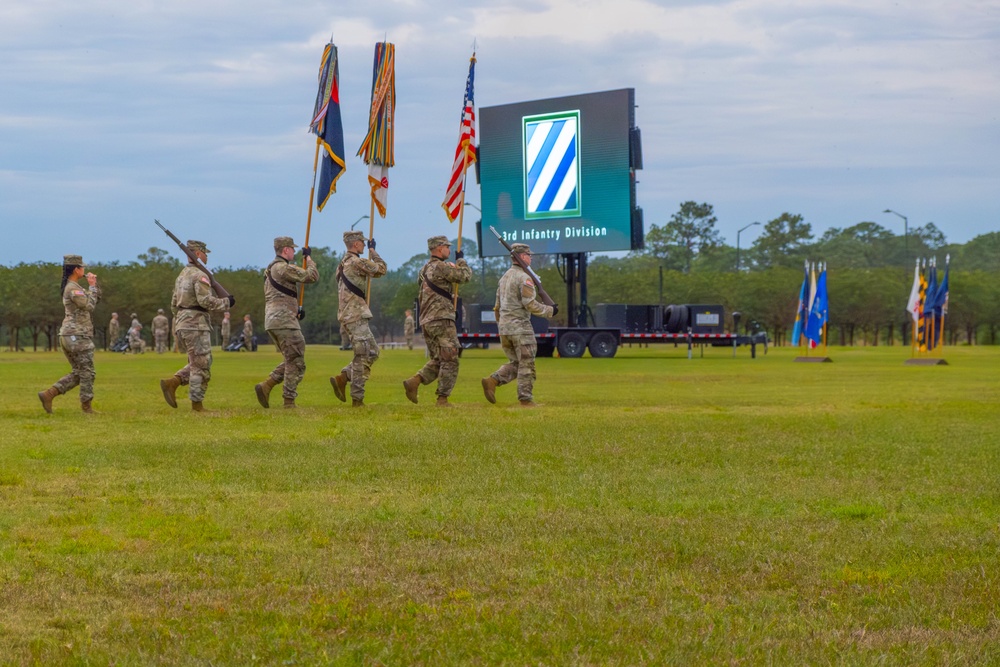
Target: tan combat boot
[357,403]
[169,389]
[411,386]
[339,382]
[46,398]
[198,406]
[289,403]
[263,390]
[490,389]
[442,402]
[85,406]
[529,404]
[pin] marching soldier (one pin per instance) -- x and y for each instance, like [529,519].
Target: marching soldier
[161,331]
[408,327]
[281,321]
[226,329]
[437,319]
[515,304]
[114,330]
[191,303]
[248,332]
[76,336]
[354,314]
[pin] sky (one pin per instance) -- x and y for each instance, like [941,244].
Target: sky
[196,113]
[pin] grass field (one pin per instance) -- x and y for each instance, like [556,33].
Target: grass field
[655,510]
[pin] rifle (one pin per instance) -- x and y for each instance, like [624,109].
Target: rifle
[542,294]
[193,258]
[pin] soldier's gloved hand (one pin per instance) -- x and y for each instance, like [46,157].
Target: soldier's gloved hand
[460,254]
[306,251]
[555,309]
[371,244]
[232,300]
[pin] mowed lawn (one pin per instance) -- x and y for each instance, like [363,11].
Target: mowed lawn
[655,510]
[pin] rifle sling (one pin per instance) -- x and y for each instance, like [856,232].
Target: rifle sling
[278,286]
[351,287]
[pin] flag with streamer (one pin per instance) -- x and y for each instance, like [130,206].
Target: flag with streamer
[913,304]
[930,296]
[921,322]
[377,148]
[465,153]
[327,125]
[802,312]
[818,311]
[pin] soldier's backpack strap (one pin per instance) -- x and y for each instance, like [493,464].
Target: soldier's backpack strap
[276,285]
[351,287]
[434,288]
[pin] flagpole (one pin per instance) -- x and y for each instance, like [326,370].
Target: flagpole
[371,233]
[461,219]
[309,215]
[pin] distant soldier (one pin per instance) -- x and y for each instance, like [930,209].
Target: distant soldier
[191,304]
[437,319]
[114,330]
[226,329]
[408,328]
[248,332]
[76,336]
[161,331]
[136,344]
[354,314]
[281,321]
[135,321]
[515,304]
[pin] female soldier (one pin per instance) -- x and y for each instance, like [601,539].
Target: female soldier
[76,335]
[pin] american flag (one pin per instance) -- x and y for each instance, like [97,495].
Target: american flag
[465,153]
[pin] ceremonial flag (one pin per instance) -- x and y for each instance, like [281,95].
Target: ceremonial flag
[913,305]
[465,153]
[328,126]
[812,289]
[938,308]
[376,149]
[921,322]
[818,312]
[802,312]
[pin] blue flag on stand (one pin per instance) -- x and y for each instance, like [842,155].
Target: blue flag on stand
[818,313]
[802,312]
[328,126]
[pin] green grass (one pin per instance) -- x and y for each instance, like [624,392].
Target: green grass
[655,510]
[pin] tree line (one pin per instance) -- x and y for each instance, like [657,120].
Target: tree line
[684,261]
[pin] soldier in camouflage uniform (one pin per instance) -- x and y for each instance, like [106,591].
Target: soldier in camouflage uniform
[76,336]
[408,327]
[191,304]
[226,329]
[114,330]
[248,332]
[515,304]
[354,314]
[281,321]
[161,331]
[437,319]
[135,342]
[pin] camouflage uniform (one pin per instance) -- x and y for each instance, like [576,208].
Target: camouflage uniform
[114,331]
[161,331]
[76,336]
[281,317]
[191,303]
[354,314]
[135,342]
[515,304]
[226,331]
[248,333]
[437,317]
[408,328]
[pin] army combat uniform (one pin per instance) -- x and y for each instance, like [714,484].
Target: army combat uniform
[191,304]
[161,331]
[516,302]
[248,333]
[354,314]
[437,321]
[226,331]
[114,331]
[281,305]
[408,328]
[76,339]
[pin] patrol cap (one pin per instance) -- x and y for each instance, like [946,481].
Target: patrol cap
[72,260]
[352,237]
[437,241]
[521,249]
[283,242]
[198,245]
[134,316]
[159,310]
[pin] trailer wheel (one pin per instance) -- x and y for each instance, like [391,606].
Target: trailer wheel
[603,345]
[571,345]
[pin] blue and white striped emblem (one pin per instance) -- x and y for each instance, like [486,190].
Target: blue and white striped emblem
[552,165]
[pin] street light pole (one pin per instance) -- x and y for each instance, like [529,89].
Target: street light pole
[364,217]
[738,232]
[906,233]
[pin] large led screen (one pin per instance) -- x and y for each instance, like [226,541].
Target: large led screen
[555,173]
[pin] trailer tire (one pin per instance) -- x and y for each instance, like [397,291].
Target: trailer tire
[675,318]
[603,345]
[571,345]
